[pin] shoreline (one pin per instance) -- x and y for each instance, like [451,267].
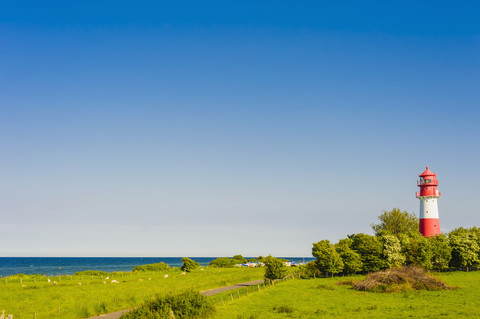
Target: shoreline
[67,266]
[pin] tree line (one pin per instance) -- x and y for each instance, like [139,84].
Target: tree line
[396,242]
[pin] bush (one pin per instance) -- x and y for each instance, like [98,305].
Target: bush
[223,262]
[101,308]
[239,259]
[275,269]
[328,259]
[84,313]
[188,264]
[190,304]
[152,267]
[310,270]
[284,309]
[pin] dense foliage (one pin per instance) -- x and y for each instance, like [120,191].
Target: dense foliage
[274,269]
[226,262]
[152,267]
[352,262]
[190,304]
[310,270]
[396,244]
[396,222]
[328,259]
[188,264]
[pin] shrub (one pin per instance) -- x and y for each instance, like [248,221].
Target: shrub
[189,304]
[226,262]
[352,262]
[392,251]
[239,259]
[101,308]
[152,267]
[284,309]
[84,313]
[328,259]
[222,262]
[275,269]
[370,249]
[465,249]
[309,270]
[188,264]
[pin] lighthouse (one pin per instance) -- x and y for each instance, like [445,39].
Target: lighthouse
[428,195]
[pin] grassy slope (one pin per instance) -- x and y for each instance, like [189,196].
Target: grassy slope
[94,297]
[321,298]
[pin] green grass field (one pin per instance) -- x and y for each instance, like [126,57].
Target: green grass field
[24,297]
[322,298]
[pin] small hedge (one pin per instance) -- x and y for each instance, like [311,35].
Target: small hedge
[152,267]
[188,264]
[189,305]
[226,262]
[223,262]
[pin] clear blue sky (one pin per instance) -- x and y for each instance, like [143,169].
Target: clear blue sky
[214,128]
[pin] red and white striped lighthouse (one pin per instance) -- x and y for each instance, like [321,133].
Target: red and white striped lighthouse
[428,195]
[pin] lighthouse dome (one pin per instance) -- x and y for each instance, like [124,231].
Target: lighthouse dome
[427,172]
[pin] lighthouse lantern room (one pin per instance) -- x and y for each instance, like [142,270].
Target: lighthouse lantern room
[428,195]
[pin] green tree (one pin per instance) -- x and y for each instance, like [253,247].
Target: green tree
[424,253]
[188,264]
[352,262]
[239,259]
[441,252]
[396,222]
[370,249]
[476,231]
[152,267]
[222,262]
[392,251]
[274,269]
[328,260]
[465,249]
[411,245]
[310,270]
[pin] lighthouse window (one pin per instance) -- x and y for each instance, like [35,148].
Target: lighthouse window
[428,181]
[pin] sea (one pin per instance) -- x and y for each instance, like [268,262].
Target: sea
[51,266]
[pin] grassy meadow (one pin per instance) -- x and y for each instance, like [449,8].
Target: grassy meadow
[323,298]
[27,295]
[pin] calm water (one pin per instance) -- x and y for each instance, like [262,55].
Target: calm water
[68,265]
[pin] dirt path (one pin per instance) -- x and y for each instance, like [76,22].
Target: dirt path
[210,292]
[215,291]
